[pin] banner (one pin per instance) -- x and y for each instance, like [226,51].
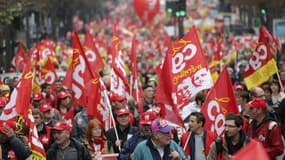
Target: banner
[146,10]
[220,101]
[262,65]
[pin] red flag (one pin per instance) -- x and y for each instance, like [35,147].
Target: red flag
[21,57]
[216,60]
[38,151]
[24,91]
[94,96]
[92,54]
[146,10]
[220,101]
[261,65]
[134,69]
[253,150]
[118,65]
[78,73]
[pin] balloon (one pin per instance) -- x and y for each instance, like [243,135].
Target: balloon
[146,9]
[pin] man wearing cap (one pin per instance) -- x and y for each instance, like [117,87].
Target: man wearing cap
[65,147]
[159,145]
[44,131]
[144,133]
[12,147]
[148,100]
[124,130]
[264,128]
[50,115]
[38,99]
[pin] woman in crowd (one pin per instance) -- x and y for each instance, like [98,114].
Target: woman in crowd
[95,139]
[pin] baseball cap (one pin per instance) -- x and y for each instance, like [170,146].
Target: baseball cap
[147,117]
[122,111]
[38,96]
[160,125]
[2,102]
[257,103]
[61,95]
[61,126]
[45,107]
[116,97]
[10,123]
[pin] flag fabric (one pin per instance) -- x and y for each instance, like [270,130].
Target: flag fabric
[21,57]
[217,55]
[38,151]
[24,91]
[184,73]
[78,73]
[47,73]
[253,150]
[135,87]
[219,101]
[94,96]
[92,54]
[262,65]
[119,80]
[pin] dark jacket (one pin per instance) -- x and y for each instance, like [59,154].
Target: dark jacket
[21,150]
[130,145]
[82,152]
[123,135]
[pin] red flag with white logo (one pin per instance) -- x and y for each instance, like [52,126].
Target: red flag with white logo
[21,57]
[78,73]
[92,54]
[262,65]
[220,101]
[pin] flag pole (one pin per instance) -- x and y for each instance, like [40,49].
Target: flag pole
[187,140]
[279,80]
[110,110]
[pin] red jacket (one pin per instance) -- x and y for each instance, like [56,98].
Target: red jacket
[210,137]
[270,138]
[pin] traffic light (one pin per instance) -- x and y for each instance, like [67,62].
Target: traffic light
[263,11]
[176,7]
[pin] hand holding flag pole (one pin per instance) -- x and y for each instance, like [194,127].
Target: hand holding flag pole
[110,109]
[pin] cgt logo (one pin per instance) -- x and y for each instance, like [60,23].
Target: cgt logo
[216,114]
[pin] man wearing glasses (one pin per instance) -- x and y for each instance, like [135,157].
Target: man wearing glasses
[234,139]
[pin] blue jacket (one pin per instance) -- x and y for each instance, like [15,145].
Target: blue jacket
[146,150]
[130,145]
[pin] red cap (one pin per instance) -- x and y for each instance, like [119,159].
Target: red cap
[61,126]
[38,96]
[10,123]
[45,107]
[122,111]
[257,103]
[2,102]
[116,97]
[61,95]
[147,117]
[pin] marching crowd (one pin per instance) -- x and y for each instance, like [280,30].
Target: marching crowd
[66,131]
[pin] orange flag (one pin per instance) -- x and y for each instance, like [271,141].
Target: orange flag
[220,101]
